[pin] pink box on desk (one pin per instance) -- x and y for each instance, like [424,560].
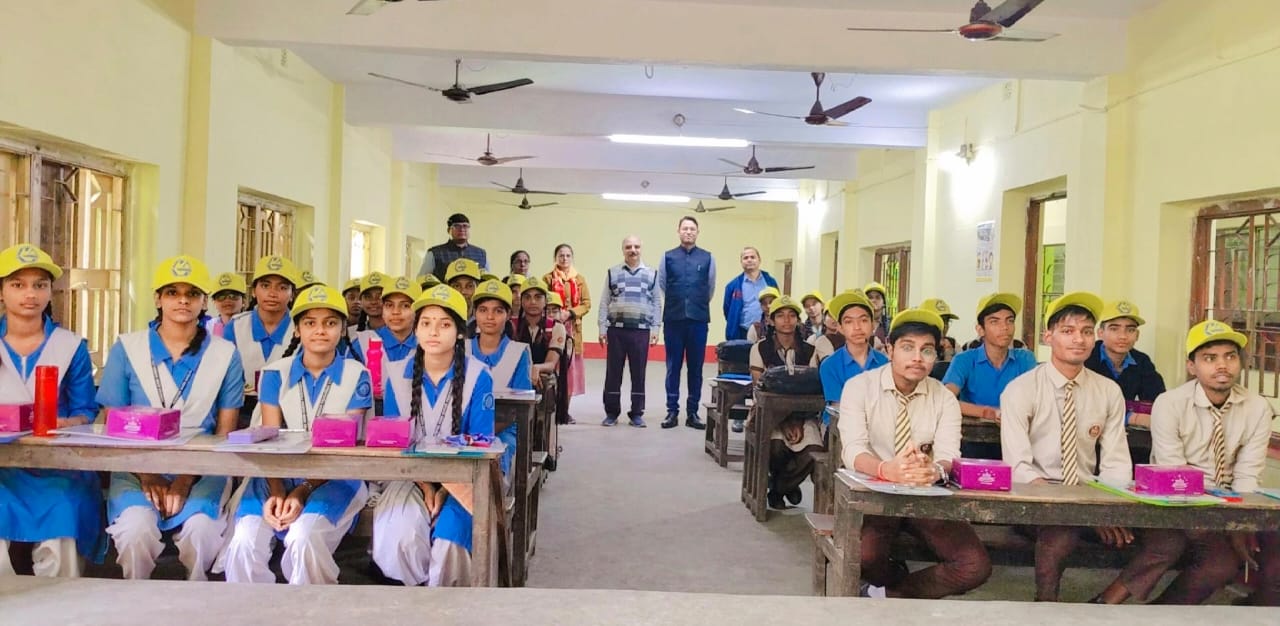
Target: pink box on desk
[981,474]
[1168,480]
[1138,406]
[334,431]
[15,418]
[143,422]
[387,432]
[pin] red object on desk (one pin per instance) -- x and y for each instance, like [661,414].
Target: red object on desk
[46,401]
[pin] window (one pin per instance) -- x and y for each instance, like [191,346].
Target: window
[265,229]
[15,180]
[893,270]
[415,250]
[1053,267]
[361,250]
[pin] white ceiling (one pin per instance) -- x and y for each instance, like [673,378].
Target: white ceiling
[957,8]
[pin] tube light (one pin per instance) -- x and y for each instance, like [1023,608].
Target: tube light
[680,141]
[644,197]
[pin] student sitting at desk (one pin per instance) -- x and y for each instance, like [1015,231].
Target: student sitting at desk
[899,425]
[853,312]
[1114,356]
[508,361]
[1063,423]
[760,327]
[261,334]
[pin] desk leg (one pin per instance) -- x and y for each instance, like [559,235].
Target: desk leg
[848,540]
[482,520]
[760,472]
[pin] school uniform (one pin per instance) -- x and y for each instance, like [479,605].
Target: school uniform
[140,371]
[257,348]
[871,408]
[58,510]
[330,510]
[981,383]
[510,366]
[789,465]
[407,544]
[826,345]
[840,367]
[1033,410]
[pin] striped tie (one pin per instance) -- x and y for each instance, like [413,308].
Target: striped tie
[902,424]
[1222,474]
[1070,463]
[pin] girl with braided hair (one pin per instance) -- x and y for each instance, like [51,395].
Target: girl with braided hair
[422,531]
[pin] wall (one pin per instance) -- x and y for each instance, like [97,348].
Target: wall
[883,209]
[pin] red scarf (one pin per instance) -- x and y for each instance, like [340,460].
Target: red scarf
[566,286]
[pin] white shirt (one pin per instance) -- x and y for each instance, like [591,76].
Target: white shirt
[1182,432]
[869,415]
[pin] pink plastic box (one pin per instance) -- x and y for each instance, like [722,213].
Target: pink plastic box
[15,418]
[387,432]
[981,474]
[1168,480]
[334,431]
[253,435]
[1138,406]
[143,422]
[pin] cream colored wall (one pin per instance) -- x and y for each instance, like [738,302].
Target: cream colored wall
[882,209]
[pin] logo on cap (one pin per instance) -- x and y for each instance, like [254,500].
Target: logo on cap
[942,307]
[375,279]
[275,263]
[402,283]
[308,276]
[441,293]
[225,281]
[460,266]
[491,288]
[181,268]
[1124,307]
[1215,328]
[28,254]
[317,294]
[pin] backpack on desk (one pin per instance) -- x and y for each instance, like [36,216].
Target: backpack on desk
[798,380]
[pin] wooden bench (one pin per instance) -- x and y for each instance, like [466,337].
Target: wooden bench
[771,410]
[728,403]
[525,475]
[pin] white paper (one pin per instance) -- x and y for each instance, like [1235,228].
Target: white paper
[881,486]
[96,435]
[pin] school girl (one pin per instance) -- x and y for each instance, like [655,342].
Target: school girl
[262,335]
[371,287]
[508,361]
[228,299]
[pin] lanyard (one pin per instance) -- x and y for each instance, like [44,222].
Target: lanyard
[155,372]
[440,415]
[302,400]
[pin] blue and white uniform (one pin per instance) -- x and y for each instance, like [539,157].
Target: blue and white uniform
[140,372]
[407,546]
[510,366]
[256,346]
[59,510]
[330,510]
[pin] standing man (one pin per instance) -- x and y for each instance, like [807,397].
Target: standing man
[439,257]
[1114,357]
[687,277]
[629,320]
[741,296]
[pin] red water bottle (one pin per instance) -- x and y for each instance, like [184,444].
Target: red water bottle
[375,366]
[46,404]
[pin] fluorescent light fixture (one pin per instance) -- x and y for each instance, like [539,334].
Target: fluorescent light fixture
[681,141]
[644,197]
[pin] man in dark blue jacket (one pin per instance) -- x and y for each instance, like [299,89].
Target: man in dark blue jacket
[687,277]
[1115,357]
[741,296]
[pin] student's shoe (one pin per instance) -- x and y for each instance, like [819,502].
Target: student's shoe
[694,422]
[673,420]
[868,590]
[794,496]
[775,500]
[638,422]
[737,426]
[611,420]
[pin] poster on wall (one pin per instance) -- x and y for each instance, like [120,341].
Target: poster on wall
[986,252]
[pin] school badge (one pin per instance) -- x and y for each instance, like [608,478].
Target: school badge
[375,279]
[181,268]
[1095,431]
[1215,328]
[28,254]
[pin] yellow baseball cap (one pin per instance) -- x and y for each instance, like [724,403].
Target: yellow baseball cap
[1210,331]
[784,302]
[1007,299]
[533,283]
[1120,308]
[816,295]
[354,283]
[875,286]
[182,269]
[487,275]
[443,296]
[230,281]
[403,286]
[428,280]
[1084,299]
[463,267]
[554,299]
[492,290]
[852,297]
[307,279]
[769,292]
[516,280]
[920,316]
[320,296]
[25,255]
[275,266]
[374,280]
[940,306]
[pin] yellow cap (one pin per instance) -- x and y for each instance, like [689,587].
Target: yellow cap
[554,299]
[230,281]
[375,280]
[444,296]
[354,283]
[276,266]
[307,279]
[492,290]
[852,297]
[940,306]
[182,269]
[516,280]
[875,286]
[1084,299]
[769,292]
[916,315]
[320,296]
[1213,330]
[487,275]
[1120,308]
[428,280]
[401,285]
[463,267]
[533,283]
[25,255]
[1008,299]
[784,302]
[816,295]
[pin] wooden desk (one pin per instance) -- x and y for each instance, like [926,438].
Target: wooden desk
[725,395]
[546,432]
[198,457]
[977,430]
[770,411]
[526,477]
[1034,505]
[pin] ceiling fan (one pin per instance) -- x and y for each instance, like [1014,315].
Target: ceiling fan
[753,166]
[725,194]
[524,203]
[457,92]
[817,115]
[986,23]
[487,158]
[522,190]
[369,7]
[710,209]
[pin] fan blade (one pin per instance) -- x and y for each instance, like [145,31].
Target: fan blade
[534,206]
[749,193]
[547,193]
[790,168]
[1013,34]
[790,117]
[737,165]
[402,81]
[510,159]
[841,110]
[366,7]
[904,30]
[1010,12]
[480,90]
[448,156]
[511,189]
[711,209]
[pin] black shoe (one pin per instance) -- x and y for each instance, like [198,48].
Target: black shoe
[673,420]
[794,496]
[737,426]
[611,420]
[775,500]
[693,422]
[638,422]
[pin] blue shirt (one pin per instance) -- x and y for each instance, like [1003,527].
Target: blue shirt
[521,379]
[268,341]
[1115,371]
[122,386]
[838,368]
[271,383]
[477,415]
[751,311]
[395,349]
[75,391]
[979,381]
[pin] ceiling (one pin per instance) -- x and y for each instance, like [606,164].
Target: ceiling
[700,60]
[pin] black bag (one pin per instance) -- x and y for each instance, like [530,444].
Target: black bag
[734,357]
[800,380]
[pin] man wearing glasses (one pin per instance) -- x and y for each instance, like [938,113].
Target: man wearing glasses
[458,247]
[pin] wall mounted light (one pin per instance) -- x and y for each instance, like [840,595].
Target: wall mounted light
[968,152]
